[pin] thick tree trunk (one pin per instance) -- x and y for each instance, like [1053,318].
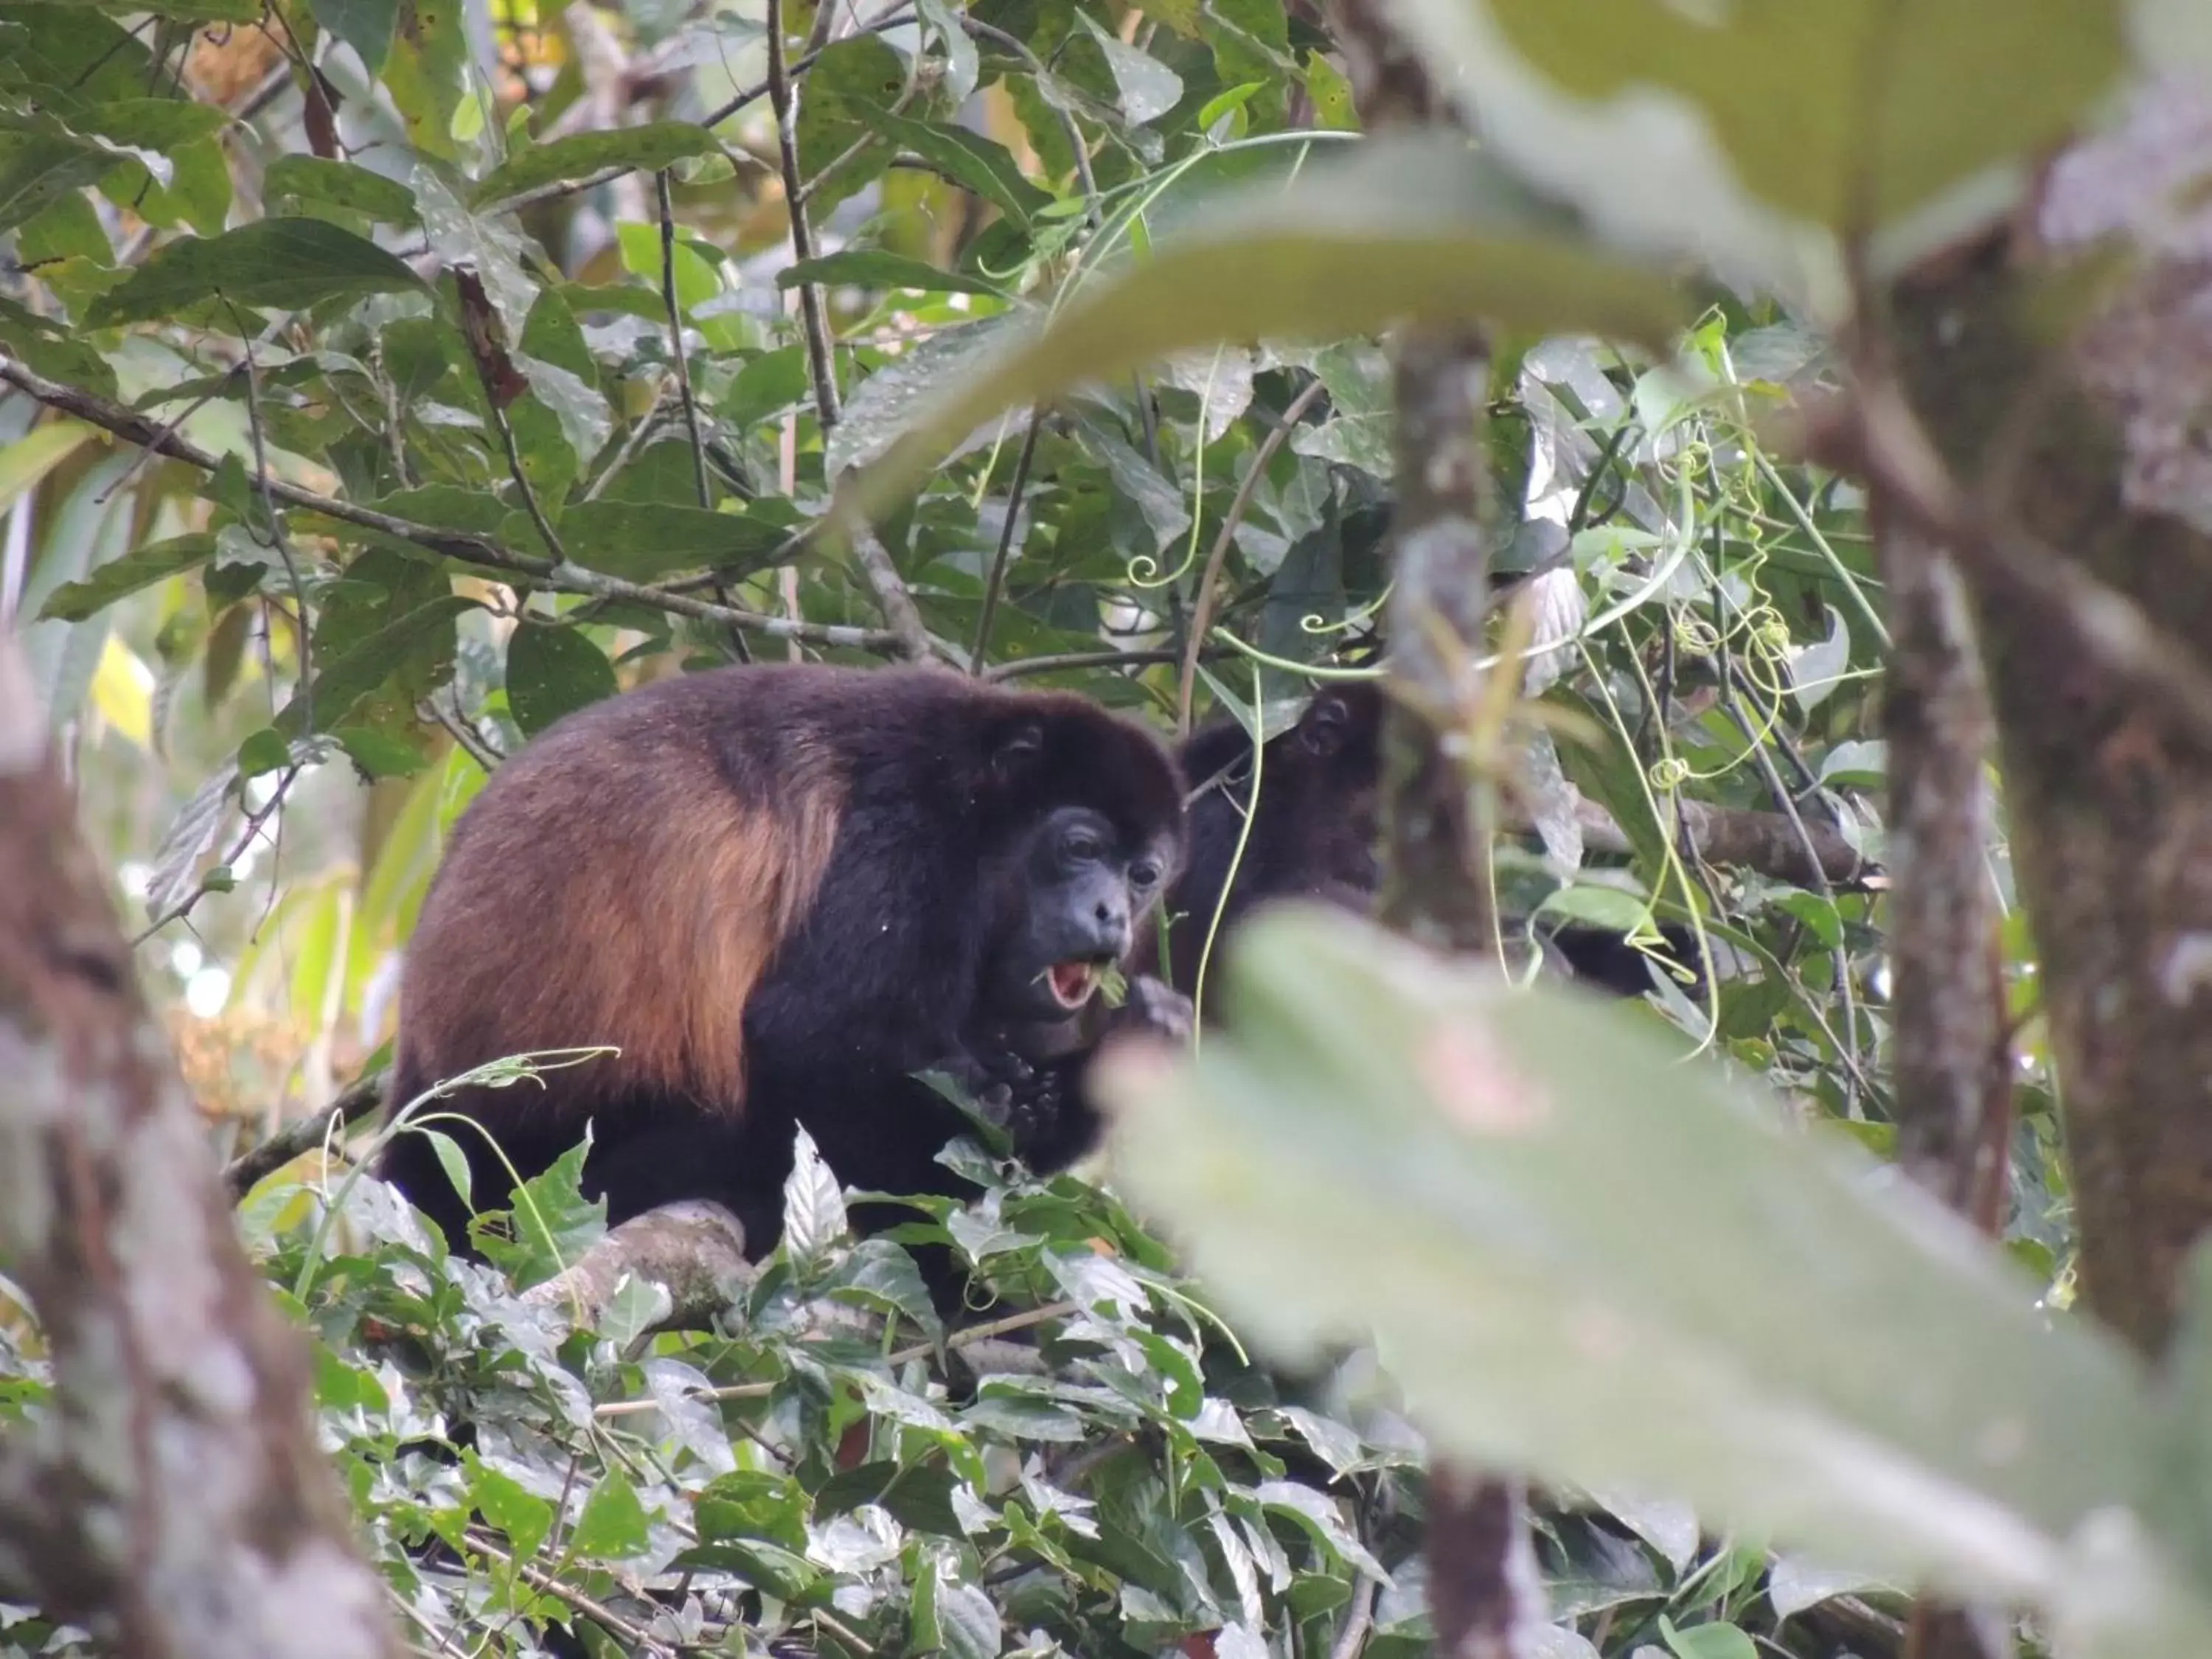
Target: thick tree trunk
[2076,457]
[174,1502]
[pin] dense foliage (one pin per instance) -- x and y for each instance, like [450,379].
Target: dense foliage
[482,381]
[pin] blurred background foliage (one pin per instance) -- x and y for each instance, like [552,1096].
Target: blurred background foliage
[439,512]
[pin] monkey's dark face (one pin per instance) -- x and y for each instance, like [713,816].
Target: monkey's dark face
[1080,888]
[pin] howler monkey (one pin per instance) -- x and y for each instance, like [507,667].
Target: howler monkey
[780,890]
[1313,836]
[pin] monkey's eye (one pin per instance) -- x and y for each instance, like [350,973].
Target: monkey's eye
[1144,873]
[1082,847]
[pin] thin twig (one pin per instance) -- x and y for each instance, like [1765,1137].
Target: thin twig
[530,504]
[676,339]
[302,1135]
[812,313]
[254,823]
[1359,1620]
[1069,661]
[890,588]
[597,1611]
[467,546]
[1035,64]
[278,540]
[463,732]
[1201,616]
[894,18]
[997,578]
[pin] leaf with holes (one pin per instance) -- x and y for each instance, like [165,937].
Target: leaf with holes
[552,671]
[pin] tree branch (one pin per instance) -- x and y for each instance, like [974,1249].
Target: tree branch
[357,1100]
[784,99]
[466,546]
[175,1502]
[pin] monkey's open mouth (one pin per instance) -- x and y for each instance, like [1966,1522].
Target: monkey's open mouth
[1071,982]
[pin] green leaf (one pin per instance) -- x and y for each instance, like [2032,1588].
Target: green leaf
[961,1619]
[642,540]
[139,568]
[343,682]
[341,184]
[291,264]
[613,1526]
[1664,123]
[1413,228]
[874,268]
[508,1505]
[37,170]
[852,79]
[552,671]
[649,148]
[550,1224]
[379,754]
[1148,88]
[1714,1641]
[970,159]
[364,25]
[264,752]
[1554,1171]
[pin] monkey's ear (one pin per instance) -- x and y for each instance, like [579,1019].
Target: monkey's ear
[1016,750]
[1326,725]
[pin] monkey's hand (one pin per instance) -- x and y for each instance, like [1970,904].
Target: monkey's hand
[1154,1007]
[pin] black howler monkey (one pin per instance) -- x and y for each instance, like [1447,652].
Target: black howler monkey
[1313,836]
[779,890]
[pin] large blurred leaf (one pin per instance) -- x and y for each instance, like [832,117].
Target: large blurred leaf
[287,263]
[1695,126]
[1581,1255]
[1402,228]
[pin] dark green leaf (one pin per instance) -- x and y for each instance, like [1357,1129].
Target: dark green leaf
[36,171]
[339,684]
[139,568]
[642,540]
[364,25]
[286,263]
[552,671]
[874,268]
[968,158]
[264,752]
[852,79]
[649,148]
[341,184]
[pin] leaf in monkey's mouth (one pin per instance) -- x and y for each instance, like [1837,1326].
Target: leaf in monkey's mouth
[1071,982]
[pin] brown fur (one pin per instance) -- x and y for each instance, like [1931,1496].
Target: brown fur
[666,884]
